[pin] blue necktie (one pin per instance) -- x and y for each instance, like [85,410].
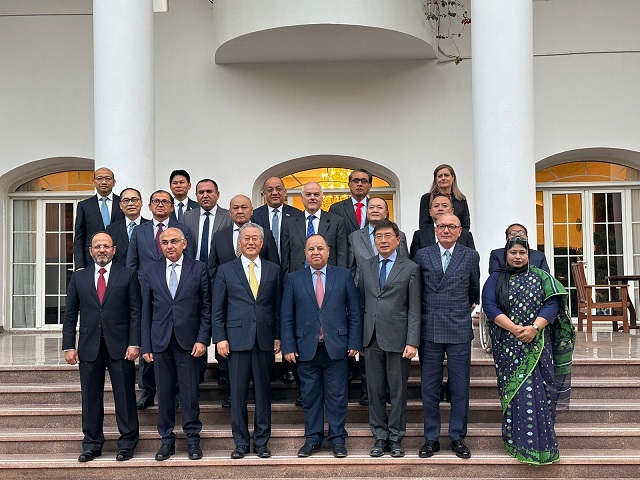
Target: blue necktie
[173,281]
[447,258]
[275,229]
[180,211]
[104,211]
[132,225]
[310,230]
[383,272]
[204,243]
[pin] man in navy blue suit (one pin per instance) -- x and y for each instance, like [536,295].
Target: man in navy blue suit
[175,332]
[450,291]
[180,184]
[246,331]
[536,257]
[321,326]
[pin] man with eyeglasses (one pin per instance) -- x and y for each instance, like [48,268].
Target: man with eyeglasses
[536,257]
[94,214]
[145,251]
[450,291]
[354,209]
[175,333]
[122,230]
[107,297]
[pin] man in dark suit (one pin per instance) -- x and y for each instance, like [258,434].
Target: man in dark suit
[176,330]
[450,291]
[94,214]
[313,221]
[246,330]
[145,250]
[391,291]
[426,236]
[180,184]
[536,257]
[354,209]
[321,325]
[107,296]
[121,230]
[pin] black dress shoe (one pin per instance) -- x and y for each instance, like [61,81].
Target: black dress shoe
[288,377]
[226,403]
[378,448]
[165,451]
[460,449]
[89,455]
[396,449]
[262,451]
[299,401]
[364,400]
[194,452]
[222,380]
[124,454]
[239,452]
[429,448]
[307,450]
[339,450]
[144,402]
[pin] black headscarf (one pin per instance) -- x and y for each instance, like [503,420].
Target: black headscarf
[502,286]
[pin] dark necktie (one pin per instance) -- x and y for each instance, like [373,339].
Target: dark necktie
[102,285]
[359,213]
[204,242]
[310,230]
[158,233]
[180,211]
[383,272]
[275,228]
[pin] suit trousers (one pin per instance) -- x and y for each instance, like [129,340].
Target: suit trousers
[176,364]
[324,387]
[123,380]
[459,372]
[387,372]
[243,366]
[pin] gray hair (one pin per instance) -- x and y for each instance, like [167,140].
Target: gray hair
[251,225]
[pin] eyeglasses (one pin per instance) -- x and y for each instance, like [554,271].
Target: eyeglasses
[451,228]
[386,236]
[127,201]
[173,241]
[517,233]
[101,247]
[363,181]
[156,201]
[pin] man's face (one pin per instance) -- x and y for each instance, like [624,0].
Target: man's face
[161,206]
[317,252]
[207,195]
[516,231]
[386,241]
[104,181]
[130,204]
[180,187]
[359,185]
[250,242]
[240,210]
[102,249]
[172,243]
[274,192]
[312,197]
[440,206]
[376,210]
[448,230]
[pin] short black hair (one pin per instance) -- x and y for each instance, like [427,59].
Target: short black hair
[161,191]
[184,173]
[362,170]
[131,188]
[386,223]
[207,180]
[506,232]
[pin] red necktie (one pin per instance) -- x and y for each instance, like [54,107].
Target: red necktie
[359,206]
[102,284]
[319,297]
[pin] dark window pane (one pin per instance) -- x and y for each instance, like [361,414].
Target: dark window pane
[616,265]
[600,239]
[561,270]
[614,207]
[573,302]
[601,269]
[51,278]
[599,207]
[52,247]
[67,217]
[615,238]
[66,248]
[52,217]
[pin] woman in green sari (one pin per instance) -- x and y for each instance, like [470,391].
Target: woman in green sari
[532,339]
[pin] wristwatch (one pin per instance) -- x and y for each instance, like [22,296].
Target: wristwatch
[535,327]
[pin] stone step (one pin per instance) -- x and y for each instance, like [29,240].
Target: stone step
[603,411]
[492,463]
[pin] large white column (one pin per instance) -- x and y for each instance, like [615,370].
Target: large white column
[502,78]
[123,92]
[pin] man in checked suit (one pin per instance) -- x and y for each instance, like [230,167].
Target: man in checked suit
[107,296]
[391,289]
[246,330]
[450,291]
[94,214]
[354,209]
[175,332]
[121,230]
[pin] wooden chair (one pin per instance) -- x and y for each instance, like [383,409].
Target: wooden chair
[586,304]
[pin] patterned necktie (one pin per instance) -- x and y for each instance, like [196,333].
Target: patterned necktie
[132,225]
[102,284]
[447,258]
[253,280]
[238,250]
[104,211]
[180,211]
[310,230]
[204,241]
[158,233]
[359,206]
[275,229]
[383,272]
[173,281]
[319,298]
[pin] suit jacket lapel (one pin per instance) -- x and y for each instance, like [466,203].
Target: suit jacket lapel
[151,240]
[95,210]
[115,204]
[456,258]
[395,270]
[264,275]
[364,235]
[308,282]
[239,269]
[351,212]
[89,277]
[301,228]
[113,277]
[324,224]
[328,284]
[375,272]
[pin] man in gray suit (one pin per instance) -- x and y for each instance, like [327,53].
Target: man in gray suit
[450,291]
[391,289]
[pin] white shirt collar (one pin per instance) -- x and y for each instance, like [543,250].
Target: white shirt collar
[212,211]
[178,263]
[245,262]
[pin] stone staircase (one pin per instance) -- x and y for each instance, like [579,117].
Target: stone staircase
[40,432]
